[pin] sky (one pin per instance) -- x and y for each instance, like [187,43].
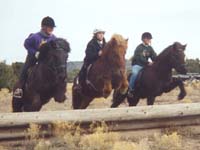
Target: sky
[167,20]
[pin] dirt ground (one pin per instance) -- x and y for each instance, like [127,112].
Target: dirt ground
[191,140]
[193,96]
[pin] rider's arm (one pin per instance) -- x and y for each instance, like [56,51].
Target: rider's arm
[139,57]
[153,54]
[91,52]
[30,44]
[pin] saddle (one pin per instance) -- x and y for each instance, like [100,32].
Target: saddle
[138,81]
[82,78]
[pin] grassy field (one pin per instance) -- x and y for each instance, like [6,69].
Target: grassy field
[71,137]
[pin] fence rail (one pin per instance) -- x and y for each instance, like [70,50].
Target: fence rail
[14,125]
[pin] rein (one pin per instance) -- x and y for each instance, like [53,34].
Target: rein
[178,65]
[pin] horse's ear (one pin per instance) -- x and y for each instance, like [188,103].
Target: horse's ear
[177,46]
[114,41]
[184,46]
[126,40]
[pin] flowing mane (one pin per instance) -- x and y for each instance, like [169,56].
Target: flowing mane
[175,46]
[163,54]
[57,44]
[115,50]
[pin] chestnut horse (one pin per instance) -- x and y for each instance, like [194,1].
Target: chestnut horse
[107,73]
[47,79]
[157,78]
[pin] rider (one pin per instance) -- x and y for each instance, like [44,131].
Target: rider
[93,51]
[142,53]
[32,44]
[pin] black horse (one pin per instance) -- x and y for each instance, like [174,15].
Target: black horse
[47,79]
[157,78]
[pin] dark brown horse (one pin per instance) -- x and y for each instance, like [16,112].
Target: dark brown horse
[47,79]
[107,73]
[157,79]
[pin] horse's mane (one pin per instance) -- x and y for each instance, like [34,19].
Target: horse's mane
[164,53]
[63,44]
[57,44]
[115,49]
[168,50]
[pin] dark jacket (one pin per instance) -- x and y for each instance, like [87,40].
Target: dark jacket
[92,50]
[142,54]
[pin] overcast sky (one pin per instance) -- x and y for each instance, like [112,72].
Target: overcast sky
[167,20]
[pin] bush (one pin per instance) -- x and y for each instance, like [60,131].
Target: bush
[7,77]
[72,74]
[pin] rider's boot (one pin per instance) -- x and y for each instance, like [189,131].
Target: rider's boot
[130,93]
[18,92]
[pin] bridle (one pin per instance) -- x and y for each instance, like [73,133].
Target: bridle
[55,69]
[177,64]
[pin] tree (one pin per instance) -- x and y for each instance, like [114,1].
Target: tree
[193,65]
[7,77]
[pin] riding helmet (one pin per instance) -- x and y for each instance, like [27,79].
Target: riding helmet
[146,35]
[98,30]
[48,21]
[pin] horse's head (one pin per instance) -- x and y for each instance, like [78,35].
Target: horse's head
[55,54]
[177,58]
[119,44]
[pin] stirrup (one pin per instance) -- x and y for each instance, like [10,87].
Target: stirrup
[18,93]
[130,93]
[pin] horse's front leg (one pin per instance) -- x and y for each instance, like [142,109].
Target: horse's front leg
[34,102]
[124,85]
[107,89]
[176,82]
[150,100]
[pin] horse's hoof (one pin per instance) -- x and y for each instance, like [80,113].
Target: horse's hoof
[181,96]
[106,94]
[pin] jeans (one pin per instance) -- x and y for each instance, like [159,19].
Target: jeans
[135,70]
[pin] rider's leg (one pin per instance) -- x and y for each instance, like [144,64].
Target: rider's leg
[30,61]
[81,77]
[82,73]
[135,70]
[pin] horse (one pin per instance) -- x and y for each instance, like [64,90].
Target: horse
[156,79]
[105,74]
[47,79]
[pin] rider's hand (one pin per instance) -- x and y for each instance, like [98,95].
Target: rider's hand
[150,63]
[37,54]
[100,52]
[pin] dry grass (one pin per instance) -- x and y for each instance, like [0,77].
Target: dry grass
[33,132]
[168,142]
[69,136]
[3,148]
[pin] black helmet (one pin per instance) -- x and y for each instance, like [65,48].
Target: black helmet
[146,35]
[48,21]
